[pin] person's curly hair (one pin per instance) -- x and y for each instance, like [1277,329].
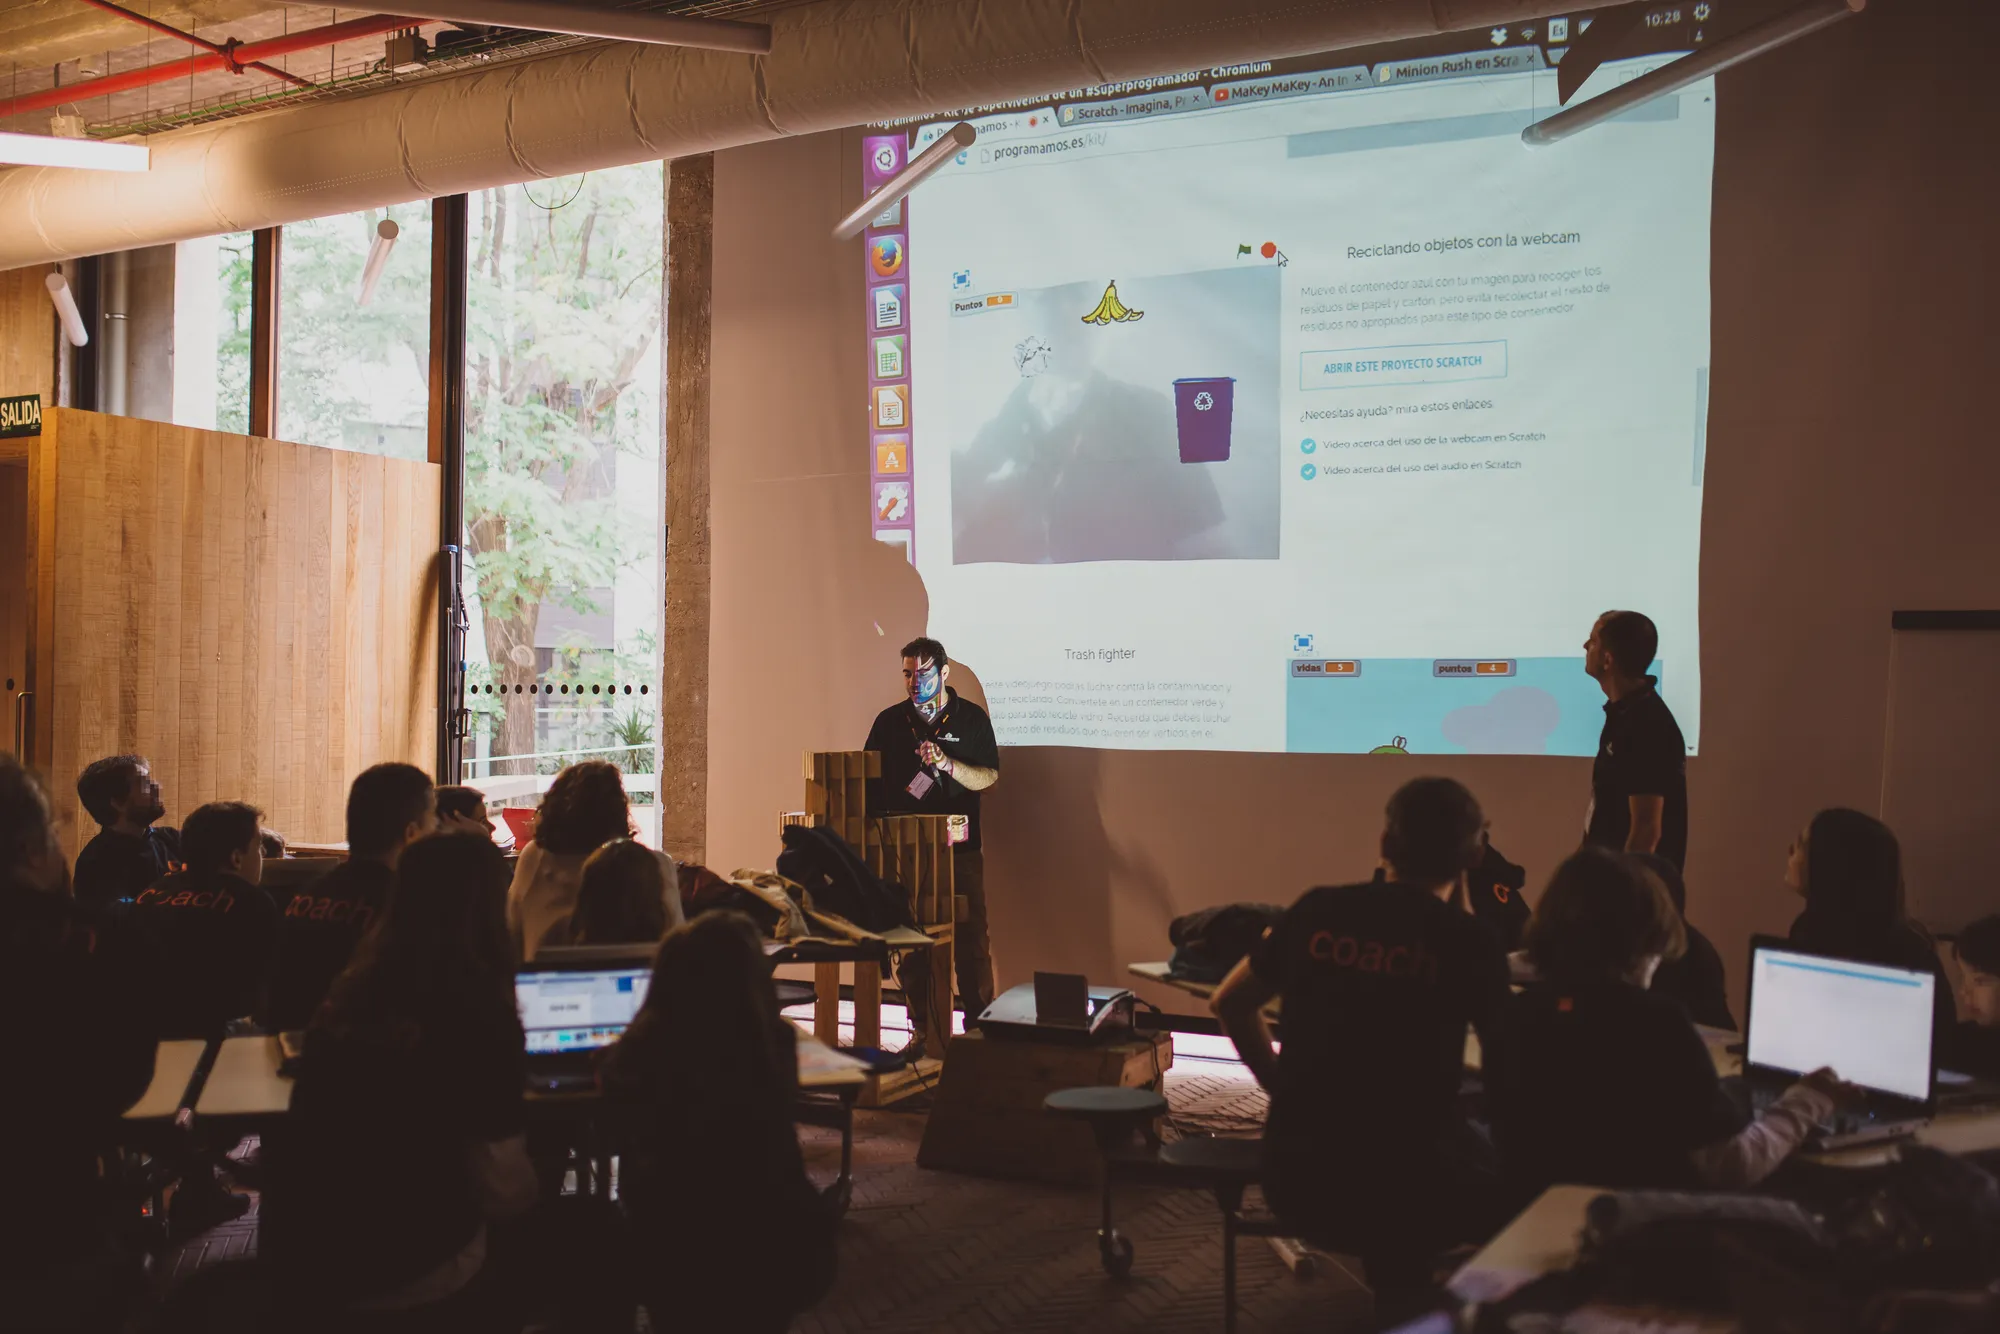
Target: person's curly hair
[585,808]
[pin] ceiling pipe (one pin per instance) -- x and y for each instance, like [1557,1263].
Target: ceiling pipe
[386,232]
[236,59]
[65,303]
[621,25]
[834,64]
[226,52]
[922,167]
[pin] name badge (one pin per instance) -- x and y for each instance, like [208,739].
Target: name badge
[957,828]
[921,784]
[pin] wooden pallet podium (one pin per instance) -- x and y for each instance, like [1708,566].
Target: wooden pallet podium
[915,852]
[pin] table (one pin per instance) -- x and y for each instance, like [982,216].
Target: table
[1162,974]
[175,1065]
[245,1081]
[1541,1240]
[870,957]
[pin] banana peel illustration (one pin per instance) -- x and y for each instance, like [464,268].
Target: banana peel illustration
[1110,310]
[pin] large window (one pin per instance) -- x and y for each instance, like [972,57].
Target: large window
[353,375]
[211,333]
[563,485]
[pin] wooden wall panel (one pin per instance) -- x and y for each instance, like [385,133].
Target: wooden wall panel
[27,335]
[13,593]
[255,617]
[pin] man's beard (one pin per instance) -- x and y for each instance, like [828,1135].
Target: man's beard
[148,813]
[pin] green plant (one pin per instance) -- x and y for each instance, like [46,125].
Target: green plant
[635,732]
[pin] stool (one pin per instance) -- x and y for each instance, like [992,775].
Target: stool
[1225,1168]
[1112,1114]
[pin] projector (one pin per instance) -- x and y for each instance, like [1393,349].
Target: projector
[1059,1007]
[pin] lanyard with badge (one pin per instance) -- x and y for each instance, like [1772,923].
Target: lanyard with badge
[930,688]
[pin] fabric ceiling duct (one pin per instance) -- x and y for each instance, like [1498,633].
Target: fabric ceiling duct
[832,64]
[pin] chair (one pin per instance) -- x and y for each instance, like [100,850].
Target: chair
[1112,1115]
[1226,1168]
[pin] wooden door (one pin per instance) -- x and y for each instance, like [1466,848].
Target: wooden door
[13,595]
[256,618]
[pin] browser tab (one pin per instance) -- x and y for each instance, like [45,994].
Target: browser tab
[1293,85]
[1472,64]
[1163,103]
[1035,120]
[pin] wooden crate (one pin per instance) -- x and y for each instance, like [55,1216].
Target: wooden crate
[837,791]
[987,1118]
[913,851]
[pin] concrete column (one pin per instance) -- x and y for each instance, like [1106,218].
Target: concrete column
[690,204]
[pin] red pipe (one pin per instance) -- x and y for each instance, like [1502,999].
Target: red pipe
[226,52]
[180,69]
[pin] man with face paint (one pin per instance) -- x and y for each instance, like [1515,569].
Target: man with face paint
[938,755]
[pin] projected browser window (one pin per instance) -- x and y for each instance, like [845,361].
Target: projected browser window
[1301,406]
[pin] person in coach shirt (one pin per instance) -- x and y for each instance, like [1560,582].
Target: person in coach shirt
[1638,786]
[938,755]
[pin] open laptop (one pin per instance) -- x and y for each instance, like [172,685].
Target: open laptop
[1873,1025]
[572,1013]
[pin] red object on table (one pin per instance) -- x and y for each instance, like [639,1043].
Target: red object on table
[521,822]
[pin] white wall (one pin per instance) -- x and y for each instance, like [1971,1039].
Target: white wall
[1851,472]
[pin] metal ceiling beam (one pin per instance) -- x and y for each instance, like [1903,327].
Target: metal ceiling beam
[246,53]
[622,25]
[228,53]
[40,33]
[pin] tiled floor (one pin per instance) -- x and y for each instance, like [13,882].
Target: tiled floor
[925,1251]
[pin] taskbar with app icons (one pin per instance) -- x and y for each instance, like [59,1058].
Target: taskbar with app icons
[892,479]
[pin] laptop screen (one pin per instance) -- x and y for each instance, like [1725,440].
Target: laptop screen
[1871,1024]
[578,1010]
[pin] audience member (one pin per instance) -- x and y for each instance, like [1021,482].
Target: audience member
[129,852]
[1975,1043]
[1638,785]
[729,1234]
[1697,979]
[1607,1083]
[72,988]
[405,1135]
[1365,1147]
[1849,869]
[217,930]
[464,808]
[630,894]
[400,1185]
[585,808]
[273,844]
[389,806]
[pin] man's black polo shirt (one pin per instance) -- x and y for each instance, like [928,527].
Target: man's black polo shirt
[1379,982]
[962,731]
[1640,753]
[114,867]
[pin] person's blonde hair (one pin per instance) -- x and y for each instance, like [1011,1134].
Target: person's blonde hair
[1603,914]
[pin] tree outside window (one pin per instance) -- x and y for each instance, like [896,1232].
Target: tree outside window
[564,487]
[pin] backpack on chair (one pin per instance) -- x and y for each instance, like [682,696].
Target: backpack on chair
[839,882]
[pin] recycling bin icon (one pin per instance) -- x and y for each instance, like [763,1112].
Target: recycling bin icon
[1202,410]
